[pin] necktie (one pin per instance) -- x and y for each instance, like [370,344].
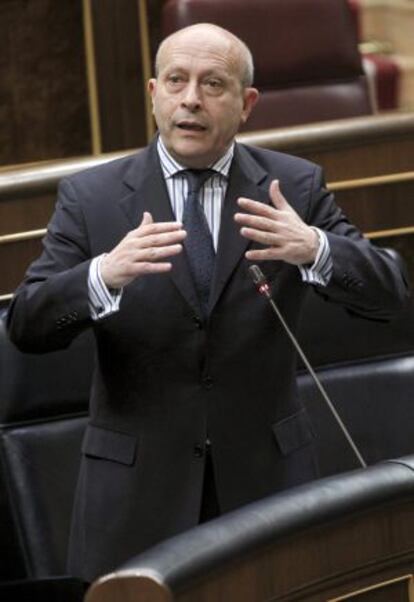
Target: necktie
[198,243]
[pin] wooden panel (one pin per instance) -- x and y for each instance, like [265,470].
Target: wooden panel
[14,260]
[26,213]
[379,207]
[364,160]
[121,85]
[361,147]
[154,9]
[43,94]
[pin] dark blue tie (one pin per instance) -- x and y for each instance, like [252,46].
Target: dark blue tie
[198,243]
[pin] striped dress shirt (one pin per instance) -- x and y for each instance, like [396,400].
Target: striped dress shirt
[103,302]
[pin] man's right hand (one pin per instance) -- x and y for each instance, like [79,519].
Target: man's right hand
[142,251]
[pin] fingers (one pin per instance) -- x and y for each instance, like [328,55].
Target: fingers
[272,253]
[150,234]
[277,197]
[257,222]
[278,228]
[261,224]
[146,219]
[159,240]
[279,203]
[143,251]
[148,226]
[262,237]
[153,254]
[254,208]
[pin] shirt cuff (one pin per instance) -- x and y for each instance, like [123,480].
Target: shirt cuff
[102,301]
[321,270]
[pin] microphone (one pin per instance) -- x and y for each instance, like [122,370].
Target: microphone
[263,288]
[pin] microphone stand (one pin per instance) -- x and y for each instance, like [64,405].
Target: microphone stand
[263,288]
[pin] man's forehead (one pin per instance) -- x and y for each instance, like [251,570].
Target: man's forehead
[191,51]
[203,63]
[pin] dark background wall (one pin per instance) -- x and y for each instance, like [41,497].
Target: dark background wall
[43,89]
[45,108]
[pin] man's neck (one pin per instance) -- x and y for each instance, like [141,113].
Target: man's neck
[175,164]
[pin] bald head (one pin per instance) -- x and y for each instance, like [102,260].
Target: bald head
[207,33]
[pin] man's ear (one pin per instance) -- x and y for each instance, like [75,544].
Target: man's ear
[250,97]
[152,86]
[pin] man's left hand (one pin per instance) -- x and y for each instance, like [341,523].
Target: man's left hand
[279,227]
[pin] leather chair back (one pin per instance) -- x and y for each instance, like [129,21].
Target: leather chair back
[43,408]
[308,66]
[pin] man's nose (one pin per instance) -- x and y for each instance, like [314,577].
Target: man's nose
[192,97]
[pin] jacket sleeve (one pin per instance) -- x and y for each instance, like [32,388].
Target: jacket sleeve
[50,307]
[366,279]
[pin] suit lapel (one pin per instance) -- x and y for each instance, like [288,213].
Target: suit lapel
[147,191]
[245,176]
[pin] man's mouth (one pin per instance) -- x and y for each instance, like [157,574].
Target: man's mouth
[190,126]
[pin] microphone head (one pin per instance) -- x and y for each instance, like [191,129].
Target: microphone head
[257,275]
[259,280]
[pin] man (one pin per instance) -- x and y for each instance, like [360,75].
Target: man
[193,404]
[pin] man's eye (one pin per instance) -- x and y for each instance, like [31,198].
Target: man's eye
[175,79]
[214,83]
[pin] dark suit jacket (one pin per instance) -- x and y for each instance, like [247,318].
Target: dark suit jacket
[164,380]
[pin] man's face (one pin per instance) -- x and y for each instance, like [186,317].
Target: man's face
[198,100]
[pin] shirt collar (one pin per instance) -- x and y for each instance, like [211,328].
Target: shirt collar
[171,167]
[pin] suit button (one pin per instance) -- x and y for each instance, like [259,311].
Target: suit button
[207,382]
[198,450]
[198,321]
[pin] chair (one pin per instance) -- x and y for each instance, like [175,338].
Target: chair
[308,67]
[367,369]
[43,413]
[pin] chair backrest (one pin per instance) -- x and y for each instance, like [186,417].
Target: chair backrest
[373,397]
[39,469]
[367,368]
[43,408]
[308,66]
